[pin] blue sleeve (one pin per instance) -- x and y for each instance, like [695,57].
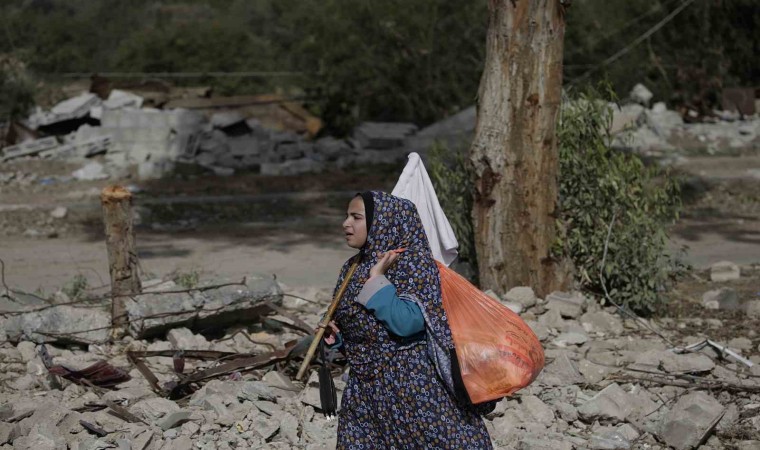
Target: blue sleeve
[402,317]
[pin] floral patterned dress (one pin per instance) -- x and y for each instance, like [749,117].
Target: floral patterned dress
[395,398]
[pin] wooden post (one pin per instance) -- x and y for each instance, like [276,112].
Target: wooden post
[122,256]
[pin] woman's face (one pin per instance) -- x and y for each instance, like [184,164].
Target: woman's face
[355,225]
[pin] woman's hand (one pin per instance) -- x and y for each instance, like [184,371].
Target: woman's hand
[331,330]
[385,261]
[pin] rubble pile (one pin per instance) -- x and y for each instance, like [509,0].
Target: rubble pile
[268,134]
[211,382]
[652,130]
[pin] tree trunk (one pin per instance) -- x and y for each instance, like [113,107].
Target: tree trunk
[514,152]
[122,257]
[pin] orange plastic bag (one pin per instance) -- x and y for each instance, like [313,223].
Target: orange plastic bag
[497,351]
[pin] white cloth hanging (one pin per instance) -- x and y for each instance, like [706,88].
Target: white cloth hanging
[415,185]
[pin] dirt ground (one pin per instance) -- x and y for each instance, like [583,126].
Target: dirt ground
[290,226]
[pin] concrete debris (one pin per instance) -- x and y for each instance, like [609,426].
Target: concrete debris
[92,171]
[59,212]
[587,396]
[383,135]
[725,299]
[752,308]
[690,420]
[724,271]
[641,95]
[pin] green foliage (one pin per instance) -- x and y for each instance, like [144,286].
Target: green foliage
[601,188]
[77,287]
[187,280]
[452,178]
[16,90]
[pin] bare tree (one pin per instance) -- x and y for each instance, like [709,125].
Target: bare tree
[514,152]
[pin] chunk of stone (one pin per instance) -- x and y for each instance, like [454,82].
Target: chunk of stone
[5,432]
[614,403]
[641,95]
[180,443]
[154,314]
[722,299]
[59,212]
[184,339]
[537,410]
[601,322]
[691,420]
[278,380]
[542,332]
[563,369]
[752,308]
[63,323]
[171,420]
[522,295]
[570,338]
[724,271]
[740,343]
[687,363]
[256,390]
[569,305]
[153,409]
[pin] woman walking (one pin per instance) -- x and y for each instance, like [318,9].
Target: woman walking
[390,312]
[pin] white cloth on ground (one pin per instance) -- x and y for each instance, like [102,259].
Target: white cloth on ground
[415,185]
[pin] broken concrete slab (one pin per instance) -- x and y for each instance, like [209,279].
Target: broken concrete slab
[752,308]
[601,322]
[29,148]
[569,304]
[725,299]
[562,371]
[184,339]
[59,324]
[687,363]
[691,420]
[724,271]
[522,295]
[174,419]
[155,313]
[614,403]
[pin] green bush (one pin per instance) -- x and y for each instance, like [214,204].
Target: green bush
[602,188]
[596,185]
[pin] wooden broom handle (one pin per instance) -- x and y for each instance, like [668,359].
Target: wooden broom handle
[325,320]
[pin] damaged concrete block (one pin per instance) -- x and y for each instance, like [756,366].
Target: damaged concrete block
[691,420]
[155,313]
[184,339]
[722,299]
[601,322]
[569,305]
[724,271]
[60,324]
[614,403]
[522,295]
[687,363]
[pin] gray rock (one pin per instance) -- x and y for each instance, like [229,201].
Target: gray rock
[292,167]
[154,314]
[570,338]
[569,305]
[278,380]
[153,409]
[42,436]
[687,363]
[536,410]
[752,308]
[563,370]
[535,443]
[60,324]
[256,390]
[614,403]
[184,339]
[724,271]
[180,443]
[522,295]
[641,95]
[691,420]
[542,332]
[747,445]
[610,440]
[566,411]
[5,432]
[740,343]
[171,420]
[601,322]
[723,299]
[729,419]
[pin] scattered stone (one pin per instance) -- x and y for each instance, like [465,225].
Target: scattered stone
[522,295]
[724,271]
[614,403]
[752,308]
[601,322]
[184,339]
[59,212]
[740,343]
[691,420]
[723,299]
[571,338]
[687,363]
[173,419]
[641,95]
[569,305]
[563,370]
